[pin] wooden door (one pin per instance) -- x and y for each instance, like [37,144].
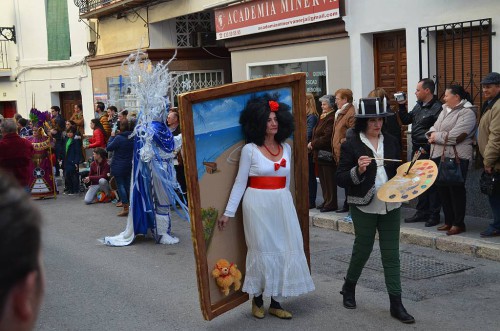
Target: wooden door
[68,101]
[390,70]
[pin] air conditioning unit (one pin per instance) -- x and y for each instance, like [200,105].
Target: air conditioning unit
[203,39]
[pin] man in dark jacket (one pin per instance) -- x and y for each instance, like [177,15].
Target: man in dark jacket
[15,153]
[422,118]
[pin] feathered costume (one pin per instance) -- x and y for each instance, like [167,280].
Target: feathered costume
[154,185]
[42,183]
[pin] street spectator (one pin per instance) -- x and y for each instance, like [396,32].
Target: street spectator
[174,127]
[21,275]
[422,118]
[98,138]
[72,158]
[392,124]
[122,147]
[113,117]
[77,117]
[452,133]
[17,117]
[102,116]
[98,177]
[276,264]
[344,120]
[23,128]
[312,119]
[489,143]
[321,142]
[122,115]
[57,128]
[364,177]
[15,153]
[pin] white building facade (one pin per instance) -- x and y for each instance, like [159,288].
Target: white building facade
[393,44]
[47,65]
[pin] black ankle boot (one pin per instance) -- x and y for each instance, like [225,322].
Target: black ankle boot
[349,292]
[398,310]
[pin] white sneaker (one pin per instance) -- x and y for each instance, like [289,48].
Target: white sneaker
[167,239]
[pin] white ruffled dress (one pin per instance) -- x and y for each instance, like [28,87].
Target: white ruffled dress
[276,264]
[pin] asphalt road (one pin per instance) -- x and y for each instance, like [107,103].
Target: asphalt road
[153,287]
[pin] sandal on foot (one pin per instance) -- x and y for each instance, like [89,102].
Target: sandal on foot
[280,313]
[258,312]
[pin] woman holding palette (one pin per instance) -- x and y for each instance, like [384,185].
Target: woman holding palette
[363,176]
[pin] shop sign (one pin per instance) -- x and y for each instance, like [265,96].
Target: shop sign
[267,15]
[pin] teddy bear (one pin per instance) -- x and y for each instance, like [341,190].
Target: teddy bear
[226,274]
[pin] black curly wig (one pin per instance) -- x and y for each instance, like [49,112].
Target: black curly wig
[253,119]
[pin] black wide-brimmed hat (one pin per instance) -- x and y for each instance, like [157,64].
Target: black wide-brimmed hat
[372,108]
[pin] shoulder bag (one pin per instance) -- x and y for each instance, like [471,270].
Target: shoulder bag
[325,156]
[451,170]
[489,184]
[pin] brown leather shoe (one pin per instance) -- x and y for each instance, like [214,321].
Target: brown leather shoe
[454,230]
[444,227]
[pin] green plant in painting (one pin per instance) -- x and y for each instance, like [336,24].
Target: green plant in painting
[209,220]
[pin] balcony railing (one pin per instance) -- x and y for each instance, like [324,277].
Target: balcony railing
[100,8]
[4,60]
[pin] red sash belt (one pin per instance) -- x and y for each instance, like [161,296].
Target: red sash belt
[267,182]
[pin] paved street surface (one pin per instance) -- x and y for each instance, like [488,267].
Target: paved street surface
[153,287]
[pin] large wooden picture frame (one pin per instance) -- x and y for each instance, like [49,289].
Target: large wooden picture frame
[212,140]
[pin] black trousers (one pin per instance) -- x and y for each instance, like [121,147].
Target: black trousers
[453,200]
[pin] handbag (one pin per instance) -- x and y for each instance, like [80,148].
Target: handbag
[451,169]
[325,156]
[489,184]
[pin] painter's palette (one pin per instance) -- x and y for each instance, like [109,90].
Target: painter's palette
[406,187]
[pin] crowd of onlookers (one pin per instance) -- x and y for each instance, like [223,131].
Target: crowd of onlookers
[101,164]
[439,128]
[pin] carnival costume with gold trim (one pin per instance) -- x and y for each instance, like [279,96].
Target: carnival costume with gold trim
[42,183]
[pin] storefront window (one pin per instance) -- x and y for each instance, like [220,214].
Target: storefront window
[119,94]
[315,70]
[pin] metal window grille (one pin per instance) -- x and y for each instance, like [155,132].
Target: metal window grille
[188,81]
[457,53]
[186,26]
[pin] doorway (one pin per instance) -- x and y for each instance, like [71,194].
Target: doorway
[68,101]
[389,51]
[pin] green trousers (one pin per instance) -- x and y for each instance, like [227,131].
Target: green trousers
[365,227]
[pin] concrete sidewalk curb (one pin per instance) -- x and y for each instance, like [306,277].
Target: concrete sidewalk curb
[420,237]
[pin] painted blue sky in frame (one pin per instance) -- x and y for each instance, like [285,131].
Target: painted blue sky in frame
[216,123]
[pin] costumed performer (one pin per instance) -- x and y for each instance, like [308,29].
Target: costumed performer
[276,265]
[363,176]
[154,184]
[42,183]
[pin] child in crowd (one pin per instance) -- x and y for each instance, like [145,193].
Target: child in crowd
[72,159]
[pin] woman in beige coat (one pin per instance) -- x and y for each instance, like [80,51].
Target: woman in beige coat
[455,127]
[344,120]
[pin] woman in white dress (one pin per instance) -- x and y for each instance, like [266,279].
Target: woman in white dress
[276,265]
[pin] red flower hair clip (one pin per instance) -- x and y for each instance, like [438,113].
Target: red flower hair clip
[273,105]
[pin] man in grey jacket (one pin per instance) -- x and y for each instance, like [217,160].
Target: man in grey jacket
[422,118]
